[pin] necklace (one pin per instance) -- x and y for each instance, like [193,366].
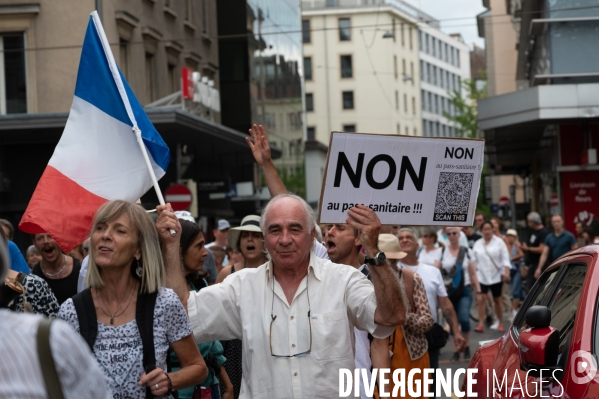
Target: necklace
[116,314]
[64,264]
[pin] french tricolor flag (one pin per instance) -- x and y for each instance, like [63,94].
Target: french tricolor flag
[98,157]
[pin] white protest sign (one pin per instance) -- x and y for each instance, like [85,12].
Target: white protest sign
[406,180]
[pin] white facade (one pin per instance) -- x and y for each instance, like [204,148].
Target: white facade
[384,75]
[381,41]
[444,64]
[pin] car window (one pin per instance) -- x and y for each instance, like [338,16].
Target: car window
[564,303]
[541,296]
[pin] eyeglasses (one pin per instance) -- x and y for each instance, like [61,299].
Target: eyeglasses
[453,233]
[274,316]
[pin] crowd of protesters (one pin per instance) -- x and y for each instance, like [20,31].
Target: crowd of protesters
[273,307]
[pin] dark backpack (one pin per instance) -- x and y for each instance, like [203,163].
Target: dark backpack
[454,277]
[144,316]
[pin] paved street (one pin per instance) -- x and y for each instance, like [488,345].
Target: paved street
[444,360]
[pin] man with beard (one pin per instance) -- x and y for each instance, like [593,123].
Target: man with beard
[343,244]
[60,271]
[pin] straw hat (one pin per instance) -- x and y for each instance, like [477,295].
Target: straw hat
[248,223]
[389,244]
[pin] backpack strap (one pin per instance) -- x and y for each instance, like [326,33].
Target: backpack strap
[461,256]
[86,314]
[145,323]
[53,388]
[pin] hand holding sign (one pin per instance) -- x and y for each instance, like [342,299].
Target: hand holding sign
[367,222]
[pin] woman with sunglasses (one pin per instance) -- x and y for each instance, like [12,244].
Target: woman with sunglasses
[462,302]
[429,252]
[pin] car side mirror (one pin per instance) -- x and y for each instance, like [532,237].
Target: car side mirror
[538,345]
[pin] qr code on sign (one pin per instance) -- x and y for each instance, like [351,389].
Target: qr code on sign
[453,196]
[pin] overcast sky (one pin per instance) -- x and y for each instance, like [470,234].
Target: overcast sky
[447,10]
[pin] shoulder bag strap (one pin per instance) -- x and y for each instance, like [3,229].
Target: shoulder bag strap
[145,323]
[47,364]
[86,315]
[461,256]
[490,257]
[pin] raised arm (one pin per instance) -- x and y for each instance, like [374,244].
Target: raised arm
[261,151]
[170,251]
[390,309]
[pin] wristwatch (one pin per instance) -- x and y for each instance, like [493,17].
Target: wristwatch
[378,259]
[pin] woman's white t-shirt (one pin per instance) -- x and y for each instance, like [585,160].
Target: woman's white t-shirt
[429,258]
[448,261]
[491,260]
[119,350]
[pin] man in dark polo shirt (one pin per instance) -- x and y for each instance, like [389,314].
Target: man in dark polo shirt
[557,243]
[60,271]
[534,246]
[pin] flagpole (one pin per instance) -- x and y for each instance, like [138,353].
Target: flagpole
[121,88]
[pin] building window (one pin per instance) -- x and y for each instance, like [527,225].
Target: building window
[308,68]
[311,133]
[405,102]
[204,17]
[395,66]
[403,42]
[344,29]
[407,131]
[349,128]
[124,57]
[306,31]
[403,67]
[346,66]
[423,95]
[415,131]
[398,129]
[172,79]
[309,102]
[410,38]
[188,10]
[396,100]
[412,72]
[13,83]
[348,100]
[457,58]
[150,77]
[414,105]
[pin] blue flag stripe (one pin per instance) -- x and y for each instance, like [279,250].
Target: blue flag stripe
[96,85]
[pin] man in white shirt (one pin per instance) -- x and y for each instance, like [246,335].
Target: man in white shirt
[296,313]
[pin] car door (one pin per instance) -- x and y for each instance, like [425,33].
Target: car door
[560,289]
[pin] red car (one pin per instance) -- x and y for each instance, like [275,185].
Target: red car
[556,330]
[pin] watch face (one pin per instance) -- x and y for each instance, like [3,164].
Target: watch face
[380,258]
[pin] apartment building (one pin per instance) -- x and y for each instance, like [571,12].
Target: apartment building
[444,65]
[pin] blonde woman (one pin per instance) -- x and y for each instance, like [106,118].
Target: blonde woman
[125,269]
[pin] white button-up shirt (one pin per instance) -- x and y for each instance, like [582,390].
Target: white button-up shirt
[339,298]
[491,260]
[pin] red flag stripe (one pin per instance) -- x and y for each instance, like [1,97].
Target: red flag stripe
[71,214]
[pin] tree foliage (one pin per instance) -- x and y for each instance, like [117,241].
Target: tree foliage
[466,126]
